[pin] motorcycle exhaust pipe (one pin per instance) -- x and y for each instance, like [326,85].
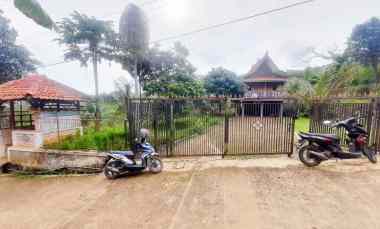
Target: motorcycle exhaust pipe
[319,155]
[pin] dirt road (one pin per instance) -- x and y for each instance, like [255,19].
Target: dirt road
[221,194]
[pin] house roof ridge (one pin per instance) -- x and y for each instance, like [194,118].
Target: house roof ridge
[39,87]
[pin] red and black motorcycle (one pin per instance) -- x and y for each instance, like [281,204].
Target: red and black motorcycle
[314,148]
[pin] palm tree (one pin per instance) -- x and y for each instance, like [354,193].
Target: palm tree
[32,9]
[87,39]
[134,41]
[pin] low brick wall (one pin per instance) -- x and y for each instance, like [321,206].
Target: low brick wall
[46,159]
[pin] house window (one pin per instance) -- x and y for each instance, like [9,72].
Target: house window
[23,118]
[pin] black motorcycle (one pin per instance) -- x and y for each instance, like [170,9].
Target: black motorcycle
[119,163]
[314,148]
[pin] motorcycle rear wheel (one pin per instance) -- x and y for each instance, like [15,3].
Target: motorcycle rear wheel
[108,172]
[305,158]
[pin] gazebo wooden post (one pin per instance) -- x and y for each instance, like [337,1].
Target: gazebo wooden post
[12,114]
[57,117]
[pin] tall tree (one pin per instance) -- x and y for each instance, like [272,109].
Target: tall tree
[364,45]
[87,39]
[220,81]
[299,88]
[169,73]
[134,41]
[32,9]
[15,60]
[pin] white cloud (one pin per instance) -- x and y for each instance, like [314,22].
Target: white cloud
[287,35]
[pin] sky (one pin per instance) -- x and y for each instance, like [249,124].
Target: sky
[288,35]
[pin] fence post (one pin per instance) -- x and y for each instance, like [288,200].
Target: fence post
[171,124]
[58,127]
[155,124]
[226,126]
[126,104]
[377,124]
[369,118]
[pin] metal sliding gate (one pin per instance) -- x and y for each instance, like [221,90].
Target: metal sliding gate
[214,126]
[367,109]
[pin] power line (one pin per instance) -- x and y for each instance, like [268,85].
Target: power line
[233,21]
[206,28]
[53,64]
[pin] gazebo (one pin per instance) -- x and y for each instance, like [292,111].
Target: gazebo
[36,110]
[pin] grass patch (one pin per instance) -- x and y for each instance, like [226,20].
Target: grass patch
[193,125]
[105,139]
[302,124]
[112,135]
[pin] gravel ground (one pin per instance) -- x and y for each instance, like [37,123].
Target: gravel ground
[201,193]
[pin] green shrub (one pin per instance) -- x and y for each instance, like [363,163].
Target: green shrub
[106,139]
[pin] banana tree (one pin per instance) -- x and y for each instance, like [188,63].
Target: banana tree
[33,10]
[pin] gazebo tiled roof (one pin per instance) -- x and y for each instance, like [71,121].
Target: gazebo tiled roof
[39,87]
[265,70]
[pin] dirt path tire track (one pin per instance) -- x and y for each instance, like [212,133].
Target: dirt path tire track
[334,195]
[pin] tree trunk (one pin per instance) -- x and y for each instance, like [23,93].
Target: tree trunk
[97,111]
[136,78]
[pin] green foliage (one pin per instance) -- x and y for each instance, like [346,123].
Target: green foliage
[312,75]
[302,124]
[112,136]
[193,124]
[33,10]
[364,45]
[303,91]
[105,139]
[220,81]
[299,88]
[85,36]
[15,60]
[350,79]
[169,73]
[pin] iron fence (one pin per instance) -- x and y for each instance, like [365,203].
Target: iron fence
[366,110]
[214,126]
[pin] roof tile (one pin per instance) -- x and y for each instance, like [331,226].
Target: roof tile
[39,87]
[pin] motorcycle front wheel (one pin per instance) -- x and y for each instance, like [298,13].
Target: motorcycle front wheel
[109,170]
[155,165]
[370,154]
[305,157]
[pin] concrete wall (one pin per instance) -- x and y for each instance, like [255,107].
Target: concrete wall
[2,145]
[49,127]
[27,138]
[40,159]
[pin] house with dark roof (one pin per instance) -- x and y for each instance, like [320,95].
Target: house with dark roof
[36,110]
[264,96]
[265,80]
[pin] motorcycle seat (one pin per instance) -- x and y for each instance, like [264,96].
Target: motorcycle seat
[330,136]
[124,153]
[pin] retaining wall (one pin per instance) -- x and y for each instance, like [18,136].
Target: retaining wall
[46,159]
